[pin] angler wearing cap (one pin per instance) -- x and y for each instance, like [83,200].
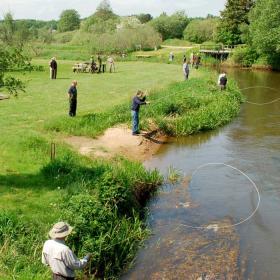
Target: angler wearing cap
[59,257]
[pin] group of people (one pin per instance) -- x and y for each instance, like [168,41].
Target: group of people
[195,60]
[100,66]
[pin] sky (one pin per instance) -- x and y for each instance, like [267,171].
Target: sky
[51,9]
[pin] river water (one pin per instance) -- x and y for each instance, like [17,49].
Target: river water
[199,225]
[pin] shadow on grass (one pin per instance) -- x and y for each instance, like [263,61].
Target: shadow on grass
[58,173]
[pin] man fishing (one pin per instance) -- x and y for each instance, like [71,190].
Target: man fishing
[138,100]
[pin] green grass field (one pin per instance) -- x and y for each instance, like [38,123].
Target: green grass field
[28,198]
[35,193]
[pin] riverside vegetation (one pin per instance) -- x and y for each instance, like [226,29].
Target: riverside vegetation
[103,200]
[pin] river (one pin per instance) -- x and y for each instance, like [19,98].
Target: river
[211,225]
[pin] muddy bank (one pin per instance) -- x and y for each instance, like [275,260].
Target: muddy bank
[119,141]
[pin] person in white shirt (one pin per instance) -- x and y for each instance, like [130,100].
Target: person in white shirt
[59,257]
[222,81]
[186,70]
[111,64]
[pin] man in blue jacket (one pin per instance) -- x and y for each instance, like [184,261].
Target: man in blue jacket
[138,100]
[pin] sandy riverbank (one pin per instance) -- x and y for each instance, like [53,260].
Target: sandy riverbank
[118,141]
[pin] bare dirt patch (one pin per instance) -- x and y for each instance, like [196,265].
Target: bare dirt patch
[118,141]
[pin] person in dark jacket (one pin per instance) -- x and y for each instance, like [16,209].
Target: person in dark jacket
[72,93]
[53,68]
[138,100]
[99,59]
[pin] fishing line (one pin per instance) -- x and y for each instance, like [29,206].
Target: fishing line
[262,104]
[242,221]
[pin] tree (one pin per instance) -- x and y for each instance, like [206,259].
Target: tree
[7,29]
[171,26]
[144,18]
[200,31]
[264,29]
[104,11]
[69,20]
[12,58]
[233,17]
[103,20]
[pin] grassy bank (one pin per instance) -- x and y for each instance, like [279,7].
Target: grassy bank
[102,200]
[180,109]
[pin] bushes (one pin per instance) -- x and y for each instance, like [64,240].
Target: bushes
[105,211]
[244,56]
[122,40]
[100,199]
[199,31]
[170,26]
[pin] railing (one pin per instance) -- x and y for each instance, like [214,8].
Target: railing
[219,47]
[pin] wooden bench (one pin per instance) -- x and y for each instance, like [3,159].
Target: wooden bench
[2,96]
[81,68]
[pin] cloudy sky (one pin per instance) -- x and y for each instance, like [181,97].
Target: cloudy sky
[51,9]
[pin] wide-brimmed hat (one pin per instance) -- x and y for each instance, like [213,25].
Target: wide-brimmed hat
[60,230]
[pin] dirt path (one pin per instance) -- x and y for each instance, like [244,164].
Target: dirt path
[178,47]
[118,141]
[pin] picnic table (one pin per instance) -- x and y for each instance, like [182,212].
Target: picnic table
[2,96]
[84,67]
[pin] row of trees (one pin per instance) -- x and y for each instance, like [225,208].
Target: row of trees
[255,23]
[251,22]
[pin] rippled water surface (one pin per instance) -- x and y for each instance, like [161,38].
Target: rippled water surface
[193,222]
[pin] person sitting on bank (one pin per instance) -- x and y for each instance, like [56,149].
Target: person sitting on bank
[72,94]
[59,257]
[222,81]
[186,70]
[138,100]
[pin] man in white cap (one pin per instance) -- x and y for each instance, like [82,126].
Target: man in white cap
[59,257]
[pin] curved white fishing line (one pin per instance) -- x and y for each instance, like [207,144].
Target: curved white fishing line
[262,104]
[251,181]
